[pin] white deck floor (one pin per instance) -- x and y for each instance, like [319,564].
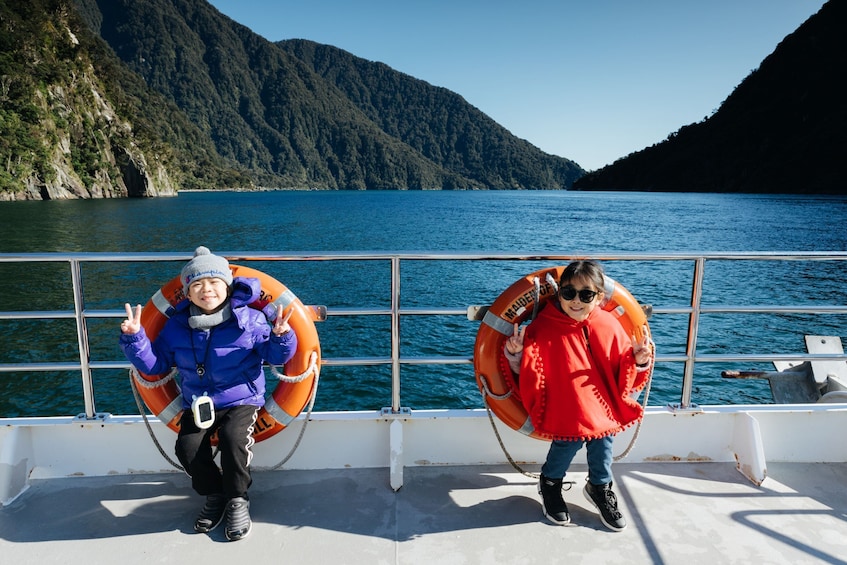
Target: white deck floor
[678,513]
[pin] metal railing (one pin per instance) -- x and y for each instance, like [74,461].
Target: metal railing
[694,310]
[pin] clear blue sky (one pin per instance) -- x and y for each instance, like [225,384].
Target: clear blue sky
[590,80]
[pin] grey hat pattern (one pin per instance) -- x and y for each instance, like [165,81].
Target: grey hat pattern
[205,265]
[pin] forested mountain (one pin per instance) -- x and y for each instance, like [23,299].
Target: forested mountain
[289,113]
[435,122]
[114,98]
[782,130]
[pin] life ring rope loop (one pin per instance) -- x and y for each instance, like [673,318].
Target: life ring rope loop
[153,384]
[552,282]
[311,369]
[536,286]
[488,392]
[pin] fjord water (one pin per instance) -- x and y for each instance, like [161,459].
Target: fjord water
[533,222]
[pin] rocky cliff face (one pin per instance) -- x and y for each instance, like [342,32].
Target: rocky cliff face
[63,135]
[115,167]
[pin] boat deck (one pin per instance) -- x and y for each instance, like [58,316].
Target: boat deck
[678,513]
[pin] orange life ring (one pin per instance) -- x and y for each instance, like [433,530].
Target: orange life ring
[286,401]
[495,379]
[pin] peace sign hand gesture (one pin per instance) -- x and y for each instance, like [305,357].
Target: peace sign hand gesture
[641,350]
[514,344]
[281,323]
[132,324]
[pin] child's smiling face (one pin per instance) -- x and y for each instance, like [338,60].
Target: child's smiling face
[575,307]
[208,294]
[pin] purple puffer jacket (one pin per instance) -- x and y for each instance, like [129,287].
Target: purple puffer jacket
[232,352]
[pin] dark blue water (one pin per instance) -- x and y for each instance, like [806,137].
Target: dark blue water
[543,222]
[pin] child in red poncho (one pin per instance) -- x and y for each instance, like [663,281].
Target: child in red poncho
[579,372]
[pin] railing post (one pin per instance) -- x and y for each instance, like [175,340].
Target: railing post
[693,328]
[82,340]
[395,334]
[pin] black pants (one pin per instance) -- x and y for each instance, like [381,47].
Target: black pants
[194,450]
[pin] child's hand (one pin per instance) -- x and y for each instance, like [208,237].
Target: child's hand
[132,324]
[641,349]
[281,323]
[514,344]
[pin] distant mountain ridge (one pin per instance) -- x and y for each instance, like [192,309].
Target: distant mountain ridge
[782,130]
[435,122]
[116,98]
[294,123]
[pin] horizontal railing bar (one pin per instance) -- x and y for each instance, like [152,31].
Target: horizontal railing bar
[681,358]
[358,311]
[447,360]
[100,314]
[810,309]
[354,361]
[753,309]
[433,311]
[91,314]
[773,357]
[104,314]
[40,367]
[364,256]
[334,362]
[351,361]
[751,357]
[39,315]
[109,364]
[673,310]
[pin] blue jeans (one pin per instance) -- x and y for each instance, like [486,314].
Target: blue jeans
[598,452]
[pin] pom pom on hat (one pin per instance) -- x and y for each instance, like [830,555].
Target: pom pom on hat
[205,265]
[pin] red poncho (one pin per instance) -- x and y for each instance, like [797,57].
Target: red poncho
[578,379]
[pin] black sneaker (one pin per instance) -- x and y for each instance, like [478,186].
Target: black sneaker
[552,504]
[211,515]
[602,497]
[238,524]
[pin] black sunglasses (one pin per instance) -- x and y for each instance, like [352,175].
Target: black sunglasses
[586,296]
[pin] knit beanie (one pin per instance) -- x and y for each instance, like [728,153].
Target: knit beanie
[205,266]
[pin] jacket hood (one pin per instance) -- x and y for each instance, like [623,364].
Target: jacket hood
[245,290]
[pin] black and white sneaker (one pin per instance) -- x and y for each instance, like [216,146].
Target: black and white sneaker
[238,523]
[604,499]
[211,514]
[552,503]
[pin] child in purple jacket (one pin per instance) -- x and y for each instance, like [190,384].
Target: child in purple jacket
[218,345]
